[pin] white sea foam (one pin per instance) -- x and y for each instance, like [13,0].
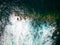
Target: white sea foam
[21,32]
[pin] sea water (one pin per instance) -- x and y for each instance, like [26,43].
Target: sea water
[23,32]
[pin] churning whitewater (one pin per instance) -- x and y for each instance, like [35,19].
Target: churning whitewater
[20,31]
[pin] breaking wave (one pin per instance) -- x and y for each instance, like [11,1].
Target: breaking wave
[20,31]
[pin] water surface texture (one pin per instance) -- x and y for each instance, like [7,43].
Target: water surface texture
[29,22]
[20,31]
